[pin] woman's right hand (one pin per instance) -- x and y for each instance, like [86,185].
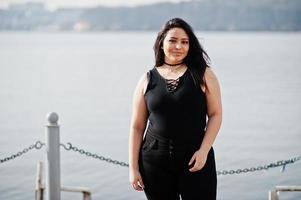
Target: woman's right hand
[136,180]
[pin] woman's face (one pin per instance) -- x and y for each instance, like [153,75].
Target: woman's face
[175,45]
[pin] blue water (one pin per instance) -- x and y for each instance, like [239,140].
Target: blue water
[89,78]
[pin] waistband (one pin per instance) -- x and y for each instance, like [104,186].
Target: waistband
[176,144]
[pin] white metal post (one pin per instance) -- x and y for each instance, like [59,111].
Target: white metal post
[53,174]
[273,195]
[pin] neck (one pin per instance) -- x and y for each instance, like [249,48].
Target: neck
[174,64]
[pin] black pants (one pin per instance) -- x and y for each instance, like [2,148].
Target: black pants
[165,171]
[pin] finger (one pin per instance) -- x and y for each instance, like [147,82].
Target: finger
[139,188]
[197,167]
[138,185]
[135,186]
[141,184]
[193,169]
[192,159]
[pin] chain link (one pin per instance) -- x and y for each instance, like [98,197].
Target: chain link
[69,147]
[280,163]
[36,145]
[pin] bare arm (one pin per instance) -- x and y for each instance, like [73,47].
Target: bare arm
[214,111]
[137,127]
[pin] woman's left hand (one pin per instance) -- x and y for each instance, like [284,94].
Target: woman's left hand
[199,159]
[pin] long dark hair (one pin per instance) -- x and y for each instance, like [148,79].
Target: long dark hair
[196,60]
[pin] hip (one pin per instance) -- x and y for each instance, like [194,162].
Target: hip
[154,144]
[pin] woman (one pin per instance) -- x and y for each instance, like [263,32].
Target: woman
[180,99]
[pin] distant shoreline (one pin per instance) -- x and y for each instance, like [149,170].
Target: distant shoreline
[205,15]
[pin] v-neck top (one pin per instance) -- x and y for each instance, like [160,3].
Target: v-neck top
[179,115]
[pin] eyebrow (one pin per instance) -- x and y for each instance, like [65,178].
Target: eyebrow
[177,38]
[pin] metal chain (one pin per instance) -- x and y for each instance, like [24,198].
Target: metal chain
[69,147]
[36,145]
[280,163]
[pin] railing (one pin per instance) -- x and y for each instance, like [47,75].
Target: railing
[39,190]
[53,186]
[274,194]
[53,167]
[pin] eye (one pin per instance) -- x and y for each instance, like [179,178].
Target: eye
[185,42]
[172,41]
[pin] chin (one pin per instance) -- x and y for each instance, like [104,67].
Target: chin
[176,60]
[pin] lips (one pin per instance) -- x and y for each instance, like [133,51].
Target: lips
[177,53]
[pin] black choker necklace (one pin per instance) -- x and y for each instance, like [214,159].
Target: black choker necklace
[172,65]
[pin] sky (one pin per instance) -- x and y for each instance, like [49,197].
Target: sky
[53,4]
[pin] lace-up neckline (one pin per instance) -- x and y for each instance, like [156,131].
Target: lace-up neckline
[172,84]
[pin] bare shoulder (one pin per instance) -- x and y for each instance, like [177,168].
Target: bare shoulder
[142,83]
[209,74]
[211,80]
[143,78]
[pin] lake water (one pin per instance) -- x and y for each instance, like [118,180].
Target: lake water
[89,78]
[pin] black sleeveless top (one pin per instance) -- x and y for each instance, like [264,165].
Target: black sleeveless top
[176,112]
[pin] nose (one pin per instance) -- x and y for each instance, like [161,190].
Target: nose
[178,46]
